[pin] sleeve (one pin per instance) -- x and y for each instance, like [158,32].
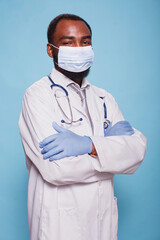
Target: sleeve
[35,124]
[119,154]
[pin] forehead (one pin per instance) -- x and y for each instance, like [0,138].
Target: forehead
[75,28]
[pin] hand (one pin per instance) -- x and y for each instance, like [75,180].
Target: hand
[64,144]
[120,128]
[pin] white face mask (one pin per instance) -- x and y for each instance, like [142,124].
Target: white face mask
[75,59]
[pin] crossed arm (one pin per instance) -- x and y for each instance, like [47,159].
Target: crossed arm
[115,154]
[65,143]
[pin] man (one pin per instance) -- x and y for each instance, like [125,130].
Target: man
[75,139]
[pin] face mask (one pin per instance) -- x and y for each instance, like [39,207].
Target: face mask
[75,59]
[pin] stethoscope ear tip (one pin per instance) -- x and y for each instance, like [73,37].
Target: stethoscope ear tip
[81,119]
[62,121]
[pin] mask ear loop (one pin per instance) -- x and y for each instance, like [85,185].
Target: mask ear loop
[54,47]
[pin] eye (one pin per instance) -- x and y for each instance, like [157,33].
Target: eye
[67,43]
[86,42]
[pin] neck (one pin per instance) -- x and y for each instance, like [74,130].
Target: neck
[75,77]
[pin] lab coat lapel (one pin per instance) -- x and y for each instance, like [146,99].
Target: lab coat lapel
[96,111]
[76,104]
[63,104]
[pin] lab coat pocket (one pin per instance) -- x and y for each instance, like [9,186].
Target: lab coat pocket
[60,224]
[114,219]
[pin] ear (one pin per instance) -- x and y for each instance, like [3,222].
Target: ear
[49,50]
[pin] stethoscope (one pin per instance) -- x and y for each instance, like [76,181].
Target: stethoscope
[70,121]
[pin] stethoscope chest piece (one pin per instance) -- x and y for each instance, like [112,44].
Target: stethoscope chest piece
[106,123]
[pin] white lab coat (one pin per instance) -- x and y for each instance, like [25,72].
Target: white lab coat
[73,198]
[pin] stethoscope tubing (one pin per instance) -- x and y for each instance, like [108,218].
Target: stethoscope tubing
[66,92]
[106,122]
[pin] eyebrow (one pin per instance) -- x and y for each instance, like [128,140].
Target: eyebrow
[71,37]
[88,36]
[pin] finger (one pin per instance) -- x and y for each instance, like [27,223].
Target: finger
[48,140]
[128,124]
[123,126]
[122,123]
[58,156]
[123,131]
[52,152]
[49,146]
[131,132]
[58,128]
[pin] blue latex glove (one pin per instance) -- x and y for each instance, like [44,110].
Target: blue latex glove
[120,128]
[64,144]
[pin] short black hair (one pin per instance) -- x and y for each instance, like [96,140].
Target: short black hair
[55,21]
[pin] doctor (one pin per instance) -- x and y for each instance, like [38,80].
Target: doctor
[75,139]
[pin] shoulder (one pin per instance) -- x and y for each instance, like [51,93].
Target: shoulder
[39,87]
[39,93]
[38,96]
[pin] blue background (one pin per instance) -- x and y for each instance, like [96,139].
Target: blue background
[126,40]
